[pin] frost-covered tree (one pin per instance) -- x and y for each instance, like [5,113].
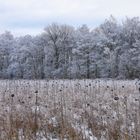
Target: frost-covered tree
[130,50]
[111,50]
[58,50]
[112,30]
[82,52]
[6,46]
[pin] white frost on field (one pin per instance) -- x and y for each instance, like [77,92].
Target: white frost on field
[90,108]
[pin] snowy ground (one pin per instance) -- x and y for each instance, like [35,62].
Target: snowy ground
[69,110]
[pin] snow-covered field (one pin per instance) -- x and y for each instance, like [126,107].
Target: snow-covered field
[69,110]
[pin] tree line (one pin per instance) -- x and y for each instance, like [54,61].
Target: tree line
[111,50]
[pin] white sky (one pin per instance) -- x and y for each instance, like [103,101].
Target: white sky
[31,16]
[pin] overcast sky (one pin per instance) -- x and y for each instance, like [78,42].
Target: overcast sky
[31,16]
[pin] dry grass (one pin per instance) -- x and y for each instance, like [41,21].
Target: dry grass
[70,110]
